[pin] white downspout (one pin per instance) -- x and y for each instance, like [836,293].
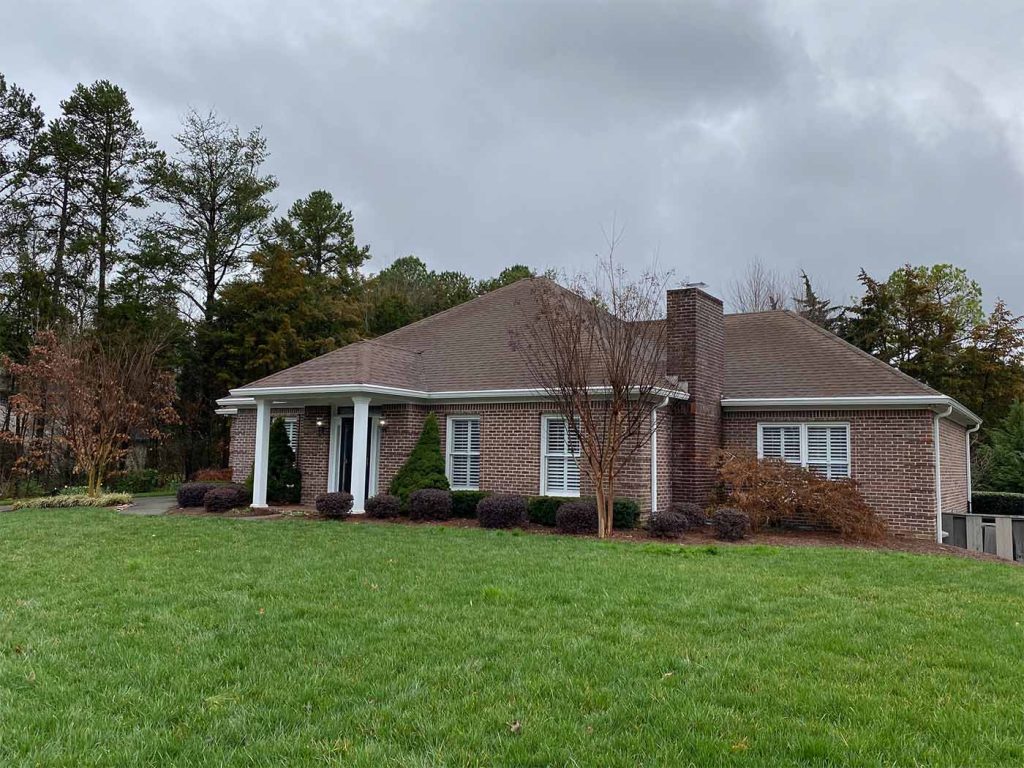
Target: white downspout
[938,472]
[970,489]
[654,454]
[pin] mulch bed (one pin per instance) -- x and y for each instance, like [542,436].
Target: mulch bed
[773,538]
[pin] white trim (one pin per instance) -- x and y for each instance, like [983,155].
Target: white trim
[654,455]
[544,491]
[469,453]
[371,489]
[970,489]
[803,426]
[867,401]
[245,395]
[334,453]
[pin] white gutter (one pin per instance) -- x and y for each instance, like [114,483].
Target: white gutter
[247,395]
[863,401]
[938,472]
[654,454]
[970,489]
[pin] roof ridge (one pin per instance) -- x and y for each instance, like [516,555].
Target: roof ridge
[460,305]
[843,342]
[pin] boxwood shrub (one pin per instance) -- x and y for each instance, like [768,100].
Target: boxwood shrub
[542,509]
[997,503]
[430,504]
[335,505]
[223,498]
[383,506]
[503,511]
[577,517]
[192,494]
[464,503]
[731,524]
[667,523]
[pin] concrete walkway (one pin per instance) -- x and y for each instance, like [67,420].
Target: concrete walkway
[150,506]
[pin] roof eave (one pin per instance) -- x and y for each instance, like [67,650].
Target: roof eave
[930,402]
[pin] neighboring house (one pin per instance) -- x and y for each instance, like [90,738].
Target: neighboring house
[769,383]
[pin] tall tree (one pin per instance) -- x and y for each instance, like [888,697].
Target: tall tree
[21,122]
[507,276]
[321,234]
[1005,453]
[112,152]
[816,309]
[760,289]
[218,207]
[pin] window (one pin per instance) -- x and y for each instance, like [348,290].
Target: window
[464,452]
[291,426]
[822,448]
[560,452]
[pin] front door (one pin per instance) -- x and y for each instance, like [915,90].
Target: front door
[346,453]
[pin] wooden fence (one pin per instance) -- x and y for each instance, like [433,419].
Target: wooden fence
[1000,535]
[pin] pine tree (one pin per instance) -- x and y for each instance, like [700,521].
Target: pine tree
[1006,453]
[819,311]
[425,466]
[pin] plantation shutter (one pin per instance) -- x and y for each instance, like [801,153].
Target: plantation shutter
[561,458]
[781,441]
[291,426]
[828,450]
[464,453]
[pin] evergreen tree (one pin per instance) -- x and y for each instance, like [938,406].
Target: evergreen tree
[21,122]
[819,311]
[321,234]
[284,482]
[425,466]
[507,276]
[1005,453]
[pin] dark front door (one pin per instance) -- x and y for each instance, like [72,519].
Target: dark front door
[346,452]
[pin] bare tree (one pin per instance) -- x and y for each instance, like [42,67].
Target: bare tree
[97,394]
[760,289]
[596,349]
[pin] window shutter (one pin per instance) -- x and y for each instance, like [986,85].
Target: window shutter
[781,442]
[828,451]
[291,427]
[464,453]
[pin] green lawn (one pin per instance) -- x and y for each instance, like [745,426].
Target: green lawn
[174,640]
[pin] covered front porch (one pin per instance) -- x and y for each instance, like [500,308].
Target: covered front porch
[337,440]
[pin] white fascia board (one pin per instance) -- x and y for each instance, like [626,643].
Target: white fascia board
[247,396]
[864,401]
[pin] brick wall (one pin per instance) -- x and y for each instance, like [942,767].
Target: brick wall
[892,459]
[695,339]
[953,463]
[510,446]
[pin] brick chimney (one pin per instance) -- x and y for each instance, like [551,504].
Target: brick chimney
[695,339]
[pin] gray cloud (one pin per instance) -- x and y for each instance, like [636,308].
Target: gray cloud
[477,134]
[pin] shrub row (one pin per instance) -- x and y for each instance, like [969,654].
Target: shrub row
[224,498]
[502,511]
[335,506]
[997,503]
[67,501]
[677,519]
[134,481]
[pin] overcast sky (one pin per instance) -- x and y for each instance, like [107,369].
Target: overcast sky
[826,136]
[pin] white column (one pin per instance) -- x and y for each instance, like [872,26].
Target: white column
[334,452]
[360,435]
[259,471]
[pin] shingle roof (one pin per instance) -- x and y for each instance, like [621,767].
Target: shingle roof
[470,347]
[781,354]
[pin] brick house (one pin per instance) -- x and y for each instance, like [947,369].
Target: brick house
[766,383]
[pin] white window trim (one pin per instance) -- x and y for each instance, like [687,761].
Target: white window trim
[804,442]
[448,449]
[544,419]
[293,421]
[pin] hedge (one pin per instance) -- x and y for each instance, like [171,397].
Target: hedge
[224,498]
[502,511]
[430,504]
[464,503]
[336,505]
[542,509]
[383,506]
[997,503]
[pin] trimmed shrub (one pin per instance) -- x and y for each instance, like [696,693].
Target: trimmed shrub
[693,514]
[542,509]
[191,494]
[224,498]
[502,511]
[383,506]
[464,503]
[667,523]
[134,481]
[212,475]
[577,517]
[731,524]
[425,466]
[335,506]
[68,501]
[774,493]
[430,504]
[284,481]
[997,503]
[625,513]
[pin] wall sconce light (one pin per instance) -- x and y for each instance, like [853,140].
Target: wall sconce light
[383,424]
[320,427]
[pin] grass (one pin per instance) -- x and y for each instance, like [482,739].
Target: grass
[178,640]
